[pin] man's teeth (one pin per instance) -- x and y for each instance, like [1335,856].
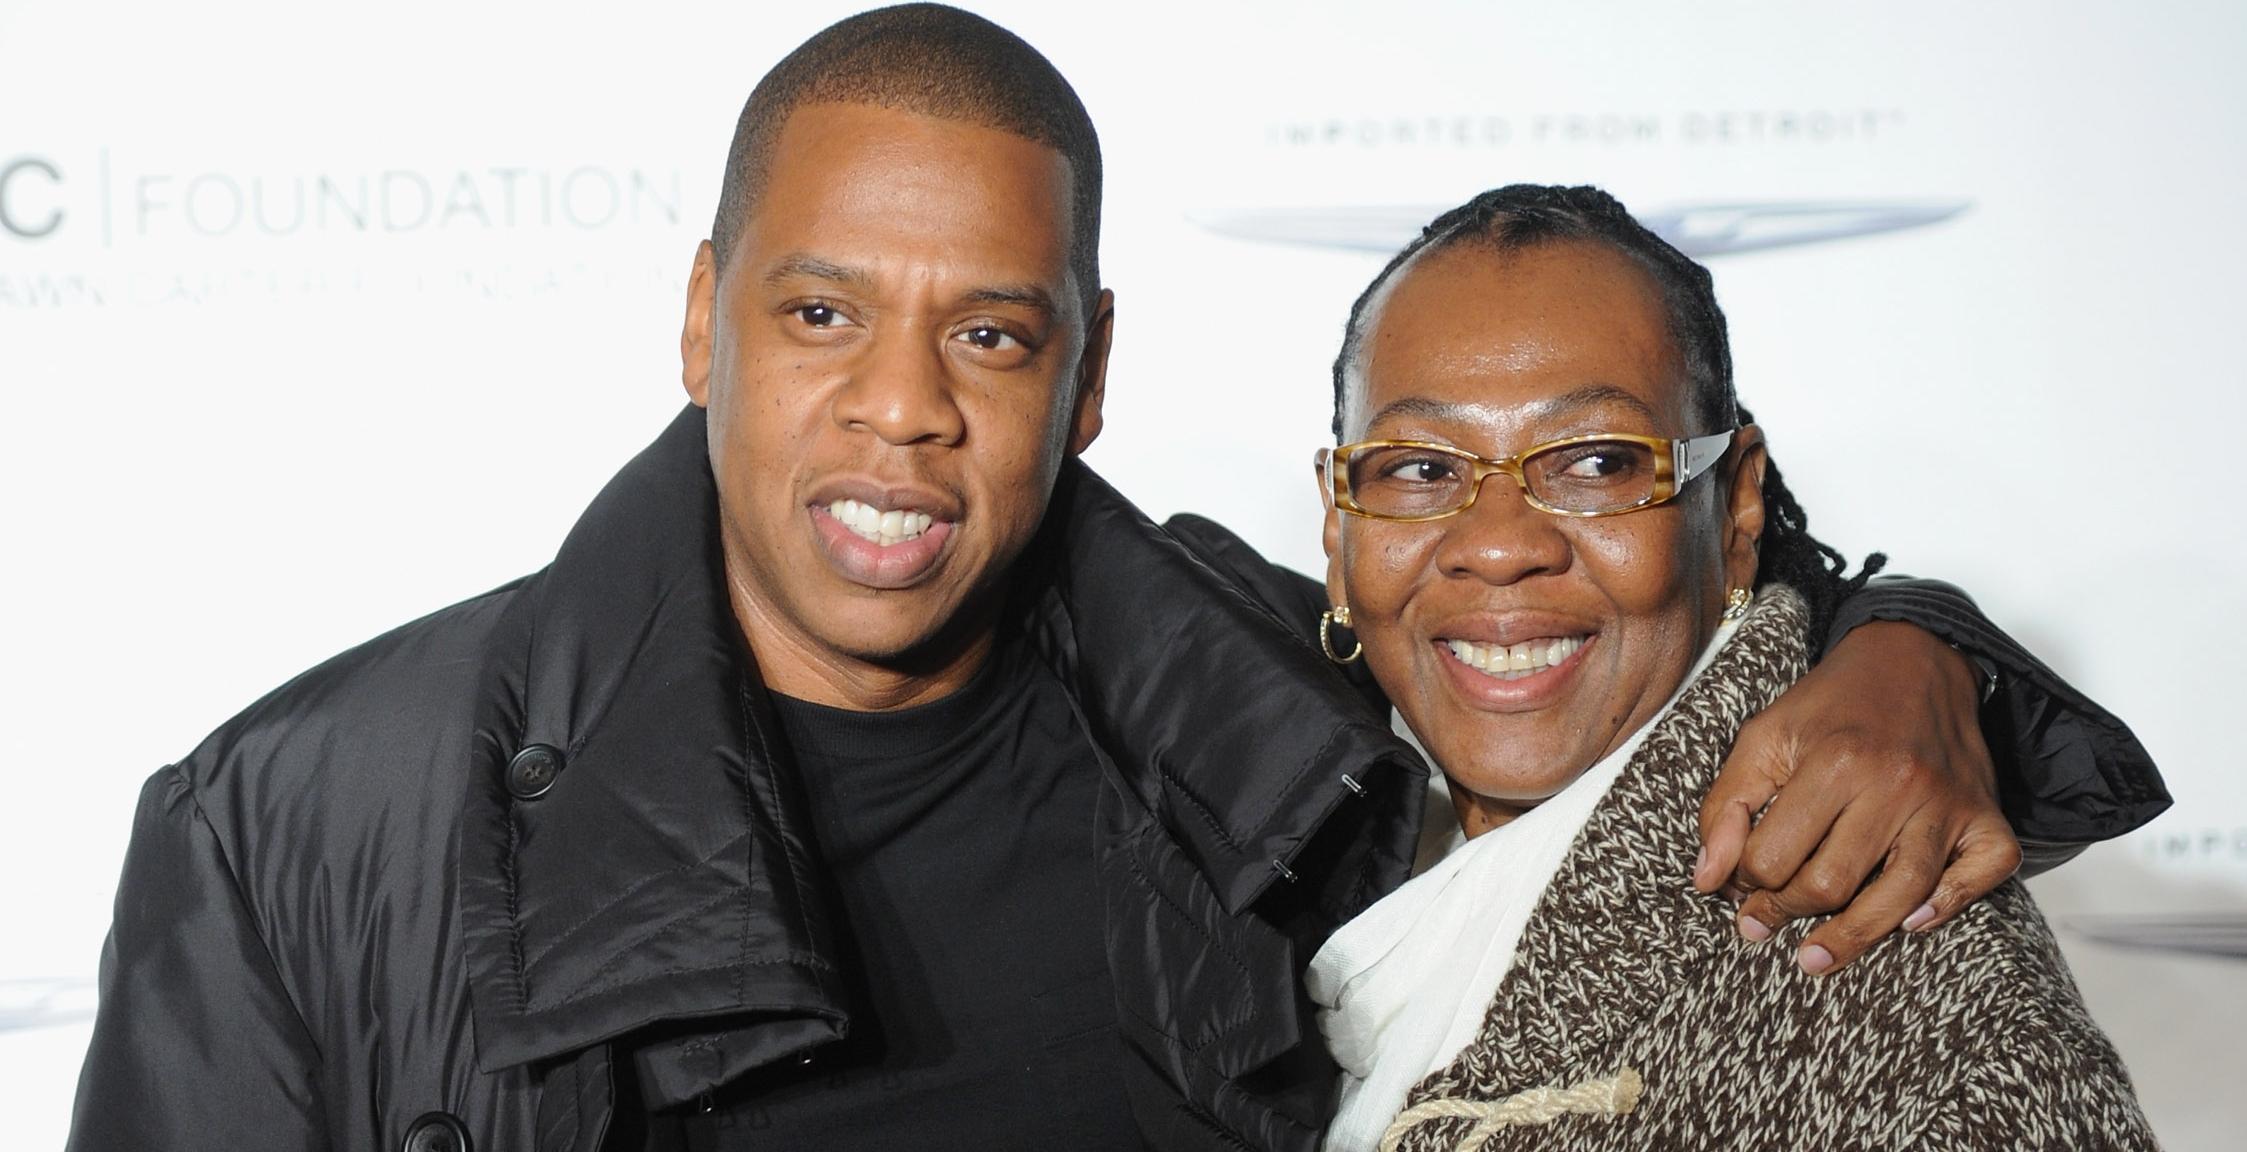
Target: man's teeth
[884,528]
[1512,662]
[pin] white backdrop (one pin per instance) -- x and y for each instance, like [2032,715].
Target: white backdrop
[314,320]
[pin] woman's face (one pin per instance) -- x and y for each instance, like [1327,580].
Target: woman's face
[1493,352]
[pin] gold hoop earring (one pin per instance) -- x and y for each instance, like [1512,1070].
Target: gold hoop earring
[1736,603]
[1338,617]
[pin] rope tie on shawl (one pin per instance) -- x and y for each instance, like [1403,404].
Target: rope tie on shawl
[1596,1096]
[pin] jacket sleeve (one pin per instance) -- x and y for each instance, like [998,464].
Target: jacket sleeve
[196,1044]
[2069,772]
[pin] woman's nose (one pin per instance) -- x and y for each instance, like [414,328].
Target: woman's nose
[902,392]
[1501,538]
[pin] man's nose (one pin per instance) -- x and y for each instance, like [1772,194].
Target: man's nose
[1501,538]
[902,391]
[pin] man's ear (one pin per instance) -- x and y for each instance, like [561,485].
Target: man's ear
[1337,590]
[696,333]
[1744,513]
[1092,374]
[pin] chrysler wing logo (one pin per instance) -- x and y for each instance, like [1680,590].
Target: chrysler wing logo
[1697,230]
[37,1003]
[2203,934]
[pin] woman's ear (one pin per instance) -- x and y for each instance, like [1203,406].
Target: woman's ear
[1331,534]
[1743,520]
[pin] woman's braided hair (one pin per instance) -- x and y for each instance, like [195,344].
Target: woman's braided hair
[1522,215]
[1788,554]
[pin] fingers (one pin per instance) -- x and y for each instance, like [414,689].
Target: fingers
[1791,829]
[1904,888]
[1987,856]
[1761,760]
[1880,772]
[1915,890]
[1843,861]
[1724,832]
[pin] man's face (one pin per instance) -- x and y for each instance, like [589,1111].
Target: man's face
[896,361]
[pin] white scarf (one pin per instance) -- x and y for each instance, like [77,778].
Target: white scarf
[1404,986]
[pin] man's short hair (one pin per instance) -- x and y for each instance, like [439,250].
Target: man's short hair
[1521,216]
[931,60]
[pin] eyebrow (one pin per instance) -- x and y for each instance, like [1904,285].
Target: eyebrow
[1021,295]
[1588,396]
[802,264]
[1591,396]
[812,267]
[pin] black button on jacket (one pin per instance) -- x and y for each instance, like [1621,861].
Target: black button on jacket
[452,880]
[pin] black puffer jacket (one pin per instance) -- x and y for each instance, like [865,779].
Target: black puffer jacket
[449,883]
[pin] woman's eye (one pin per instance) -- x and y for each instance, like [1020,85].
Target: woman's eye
[1424,470]
[1596,466]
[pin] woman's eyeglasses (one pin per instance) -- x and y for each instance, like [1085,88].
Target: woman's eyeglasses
[1602,475]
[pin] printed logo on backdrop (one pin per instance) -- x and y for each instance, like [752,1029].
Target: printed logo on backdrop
[38,212]
[2167,843]
[1697,230]
[2215,926]
[1691,127]
[2221,934]
[42,1002]
[1701,230]
[96,229]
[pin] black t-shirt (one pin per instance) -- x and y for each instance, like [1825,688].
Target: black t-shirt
[957,838]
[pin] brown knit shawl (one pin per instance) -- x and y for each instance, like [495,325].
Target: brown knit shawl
[1969,1036]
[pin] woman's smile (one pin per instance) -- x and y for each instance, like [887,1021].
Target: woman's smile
[1512,662]
[1516,661]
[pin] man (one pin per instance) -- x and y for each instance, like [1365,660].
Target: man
[863,766]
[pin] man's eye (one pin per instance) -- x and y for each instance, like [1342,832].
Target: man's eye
[818,315]
[990,339]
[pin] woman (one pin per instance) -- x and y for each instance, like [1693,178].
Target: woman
[1573,569]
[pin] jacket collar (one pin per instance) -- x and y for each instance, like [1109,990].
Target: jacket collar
[667,875]
[1620,926]
[1235,732]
